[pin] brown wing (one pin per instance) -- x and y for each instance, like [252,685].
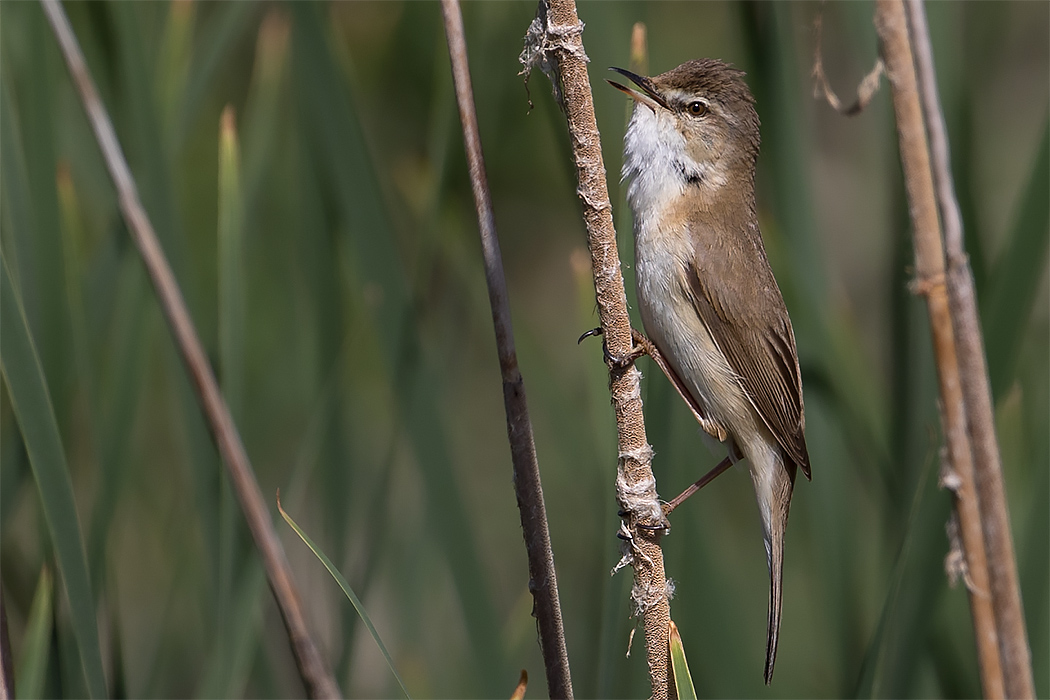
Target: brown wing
[754,333]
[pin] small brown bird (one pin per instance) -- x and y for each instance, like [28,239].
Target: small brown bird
[706,294]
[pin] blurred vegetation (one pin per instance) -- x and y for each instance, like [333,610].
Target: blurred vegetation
[343,303]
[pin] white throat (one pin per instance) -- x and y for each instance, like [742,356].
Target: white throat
[657,164]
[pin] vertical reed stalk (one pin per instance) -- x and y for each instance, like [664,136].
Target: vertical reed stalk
[1016,657]
[543,582]
[1003,667]
[554,41]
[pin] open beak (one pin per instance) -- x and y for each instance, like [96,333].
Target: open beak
[649,95]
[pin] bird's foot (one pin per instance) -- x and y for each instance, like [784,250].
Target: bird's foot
[646,526]
[642,346]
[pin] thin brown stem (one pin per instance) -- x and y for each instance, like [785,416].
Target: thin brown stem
[891,25]
[1016,656]
[543,582]
[313,670]
[554,42]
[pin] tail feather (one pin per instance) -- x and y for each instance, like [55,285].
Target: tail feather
[775,515]
[776,576]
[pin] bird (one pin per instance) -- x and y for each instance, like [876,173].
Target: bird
[714,316]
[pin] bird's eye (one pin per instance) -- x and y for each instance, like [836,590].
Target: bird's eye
[697,108]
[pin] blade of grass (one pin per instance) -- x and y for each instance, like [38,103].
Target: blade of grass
[118,671]
[917,580]
[125,352]
[173,63]
[36,644]
[19,227]
[231,265]
[263,119]
[49,324]
[142,140]
[73,249]
[785,150]
[1035,575]
[683,680]
[226,674]
[27,388]
[14,469]
[1035,567]
[218,38]
[349,592]
[67,669]
[1017,273]
[72,240]
[16,233]
[836,528]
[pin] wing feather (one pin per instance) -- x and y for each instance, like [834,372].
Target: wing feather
[762,354]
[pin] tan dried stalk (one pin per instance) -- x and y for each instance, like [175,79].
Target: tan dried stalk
[1016,656]
[1003,654]
[554,43]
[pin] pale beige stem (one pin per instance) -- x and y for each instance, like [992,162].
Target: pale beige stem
[1016,656]
[636,487]
[892,26]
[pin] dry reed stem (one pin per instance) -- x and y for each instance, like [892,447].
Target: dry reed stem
[891,24]
[313,670]
[866,90]
[1016,656]
[543,582]
[556,44]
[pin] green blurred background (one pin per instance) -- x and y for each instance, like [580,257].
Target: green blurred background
[346,315]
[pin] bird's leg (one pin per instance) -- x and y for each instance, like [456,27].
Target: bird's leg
[700,483]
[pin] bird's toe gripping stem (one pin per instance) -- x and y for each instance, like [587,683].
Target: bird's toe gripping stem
[642,346]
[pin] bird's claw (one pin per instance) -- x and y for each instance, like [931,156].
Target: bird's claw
[588,334]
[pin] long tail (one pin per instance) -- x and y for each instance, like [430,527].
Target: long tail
[776,576]
[774,516]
